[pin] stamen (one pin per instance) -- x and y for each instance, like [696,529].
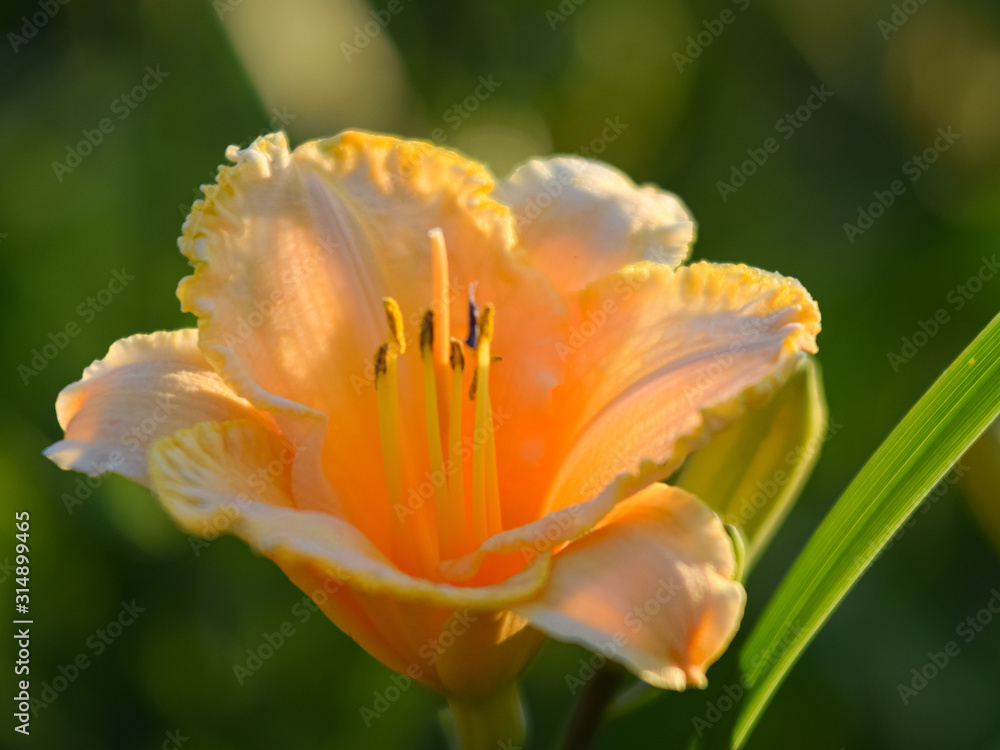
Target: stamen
[388,427]
[381,527]
[486,519]
[448,516]
[387,396]
[475,378]
[456,487]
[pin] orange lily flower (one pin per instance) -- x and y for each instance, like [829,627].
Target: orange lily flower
[444,406]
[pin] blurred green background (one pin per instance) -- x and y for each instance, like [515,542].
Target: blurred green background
[232,69]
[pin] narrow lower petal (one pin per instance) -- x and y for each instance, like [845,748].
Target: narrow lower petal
[582,219]
[651,587]
[146,387]
[234,476]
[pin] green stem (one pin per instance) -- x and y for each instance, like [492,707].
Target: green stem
[495,723]
[590,708]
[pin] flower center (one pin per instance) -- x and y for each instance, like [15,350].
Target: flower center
[461,520]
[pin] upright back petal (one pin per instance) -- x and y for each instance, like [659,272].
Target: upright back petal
[582,219]
[293,253]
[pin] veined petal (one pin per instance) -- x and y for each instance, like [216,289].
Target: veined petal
[216,476]
[651,587]
[665,359]
[673,356]
[293,253]
[148,386]
[582,219]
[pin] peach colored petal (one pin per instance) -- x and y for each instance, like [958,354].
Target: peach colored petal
[293,252]
[217,477]
[582,219]
[228,478]
[651,587]
[666,359]
[673,354]
[148,386]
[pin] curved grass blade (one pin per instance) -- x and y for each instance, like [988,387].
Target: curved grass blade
[917,454]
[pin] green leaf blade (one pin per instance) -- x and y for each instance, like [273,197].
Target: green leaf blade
[918,453]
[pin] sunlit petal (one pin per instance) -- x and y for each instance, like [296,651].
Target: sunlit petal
[293,253]
[231,470]
[148,386]
[651,587]
[582,219]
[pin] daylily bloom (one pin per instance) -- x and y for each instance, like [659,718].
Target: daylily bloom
[444,406]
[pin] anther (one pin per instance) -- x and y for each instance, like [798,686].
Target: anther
[472,340]
[394,319]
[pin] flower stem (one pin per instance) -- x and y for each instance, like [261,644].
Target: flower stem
[589,709]
[497,722]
